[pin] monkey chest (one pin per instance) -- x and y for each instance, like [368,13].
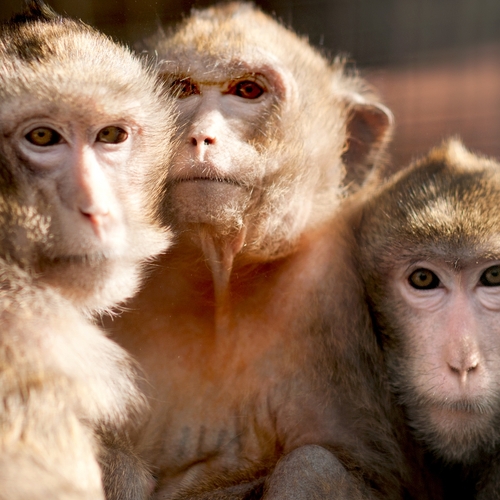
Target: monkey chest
[208,431]
[228,408]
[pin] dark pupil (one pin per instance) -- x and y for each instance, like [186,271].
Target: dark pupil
[187,88]
[249,90]
[491,277]
[43,136]
[112,135]
[423,279]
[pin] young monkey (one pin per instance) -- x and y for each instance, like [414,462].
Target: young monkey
[429,254]
[84,140]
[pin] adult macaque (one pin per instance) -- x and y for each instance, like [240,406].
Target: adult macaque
[84,138]
[429,244]
[236,326]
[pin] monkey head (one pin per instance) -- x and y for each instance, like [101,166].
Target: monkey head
[430,256]
[268,127]
[84,141]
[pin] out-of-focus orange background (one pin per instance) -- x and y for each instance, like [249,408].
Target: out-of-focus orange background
[436,63]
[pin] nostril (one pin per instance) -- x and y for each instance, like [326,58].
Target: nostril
[204,140]
[95,219]
[463,369]
[95,213]
[471,368]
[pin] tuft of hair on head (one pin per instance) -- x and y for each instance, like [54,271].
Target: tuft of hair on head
[34,10]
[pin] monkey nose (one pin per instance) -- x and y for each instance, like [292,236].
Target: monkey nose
[463,369]
[95,217]
[98,222]
[200,144]
[93,205]
[200,140]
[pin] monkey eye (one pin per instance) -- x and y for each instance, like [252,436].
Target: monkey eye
[43,136]
[184,87]
[423,279]
[247,89]
[491,277]
[112,135]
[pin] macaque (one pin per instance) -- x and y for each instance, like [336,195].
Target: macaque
[85,133]
[256,389]
[429,253]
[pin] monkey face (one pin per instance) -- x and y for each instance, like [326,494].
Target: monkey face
[431,257]
[266,124]
[81,165]
[84,146]
[219,173]
[260,147]
[446,359]
[218,169]
[76,163]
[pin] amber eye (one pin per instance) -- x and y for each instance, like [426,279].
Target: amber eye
[112,135]
[247,89]
[491,277]
[43,136]
[183,88]
[423,279]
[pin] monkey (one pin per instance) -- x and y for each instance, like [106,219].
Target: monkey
[428,251]
[85,135]
[255,387]
[55,405]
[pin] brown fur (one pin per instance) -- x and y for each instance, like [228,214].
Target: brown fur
[69,395]
[237,326]
[441,214]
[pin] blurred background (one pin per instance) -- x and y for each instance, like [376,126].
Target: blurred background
[436,63]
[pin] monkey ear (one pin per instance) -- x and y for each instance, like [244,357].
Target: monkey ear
[369,129]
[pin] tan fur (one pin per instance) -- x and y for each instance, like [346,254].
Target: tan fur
[293,166]
[73,243]
[236,327]
[50,75]
[440,345]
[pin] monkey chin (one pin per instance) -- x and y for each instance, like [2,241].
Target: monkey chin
[93,284]
[207,202]
[457,432]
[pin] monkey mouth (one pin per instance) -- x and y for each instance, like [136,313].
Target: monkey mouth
[478,406]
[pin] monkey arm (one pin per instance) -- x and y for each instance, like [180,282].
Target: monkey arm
[251,490]
[121,465]
[310,472]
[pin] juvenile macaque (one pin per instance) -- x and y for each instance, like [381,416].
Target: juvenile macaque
[257,390]
[84,140]
[429,245]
